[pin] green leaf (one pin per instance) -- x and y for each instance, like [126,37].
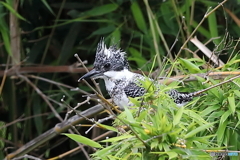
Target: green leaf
[107,127]
[172,154]
[238,119]
[138,16]
[13,11]
[203,139]
[154,144]
[136,56]
[101,10]
[48,7]
[168,18]
[129,115]
[215,115]
[232,105]
[148,85]
[103,152]
[123,149]
[117,36]
[189,65]
[237,92]
[103,30]
[225,116]
[178,116]
[201,29]
[221,131]
[83,140]
[115,139]
[197,130]
[135,101]
[5,36]
[232,62]
[195,116]
[212,22]
[68,44]
[209,110]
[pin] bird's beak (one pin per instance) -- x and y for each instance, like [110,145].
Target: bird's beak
[92,74]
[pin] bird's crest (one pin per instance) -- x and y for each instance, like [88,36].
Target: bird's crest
[112,55]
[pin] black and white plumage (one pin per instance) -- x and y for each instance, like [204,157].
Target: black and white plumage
[112,66]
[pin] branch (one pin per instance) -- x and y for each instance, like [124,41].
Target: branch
[192,77]
[45,69]
[59,128]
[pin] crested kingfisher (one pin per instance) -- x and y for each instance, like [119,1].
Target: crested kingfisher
[112,66]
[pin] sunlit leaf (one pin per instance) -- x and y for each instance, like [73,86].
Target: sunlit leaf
[178,116]
[198,129]
[129,115]
[209,110]
[172,154]
[221,131]
[154,144]
[104,151]
[83,140]
[189,65]
[119,138]
[232,105]
[225,116]
[237,93]
[195,116]
[110,128]
[123,148]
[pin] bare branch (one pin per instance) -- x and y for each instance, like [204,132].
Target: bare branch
[59,128]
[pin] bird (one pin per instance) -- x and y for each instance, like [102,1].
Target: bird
[112,66]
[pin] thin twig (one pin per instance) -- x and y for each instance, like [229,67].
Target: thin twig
[99,121]
[4,75]
[56,83]
[74,109]
[200,23]
[216,85]
[44,97]
[23,119]
[94,82]
[101,98]
[27,156]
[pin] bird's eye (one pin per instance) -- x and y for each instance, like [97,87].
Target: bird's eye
[107,66]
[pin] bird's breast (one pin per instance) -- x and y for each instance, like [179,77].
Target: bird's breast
[115,89]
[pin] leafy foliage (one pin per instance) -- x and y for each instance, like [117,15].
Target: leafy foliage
[159,130]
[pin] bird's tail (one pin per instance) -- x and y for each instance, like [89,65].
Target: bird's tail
[181,98]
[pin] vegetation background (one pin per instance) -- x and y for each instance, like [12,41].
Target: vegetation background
[39,39]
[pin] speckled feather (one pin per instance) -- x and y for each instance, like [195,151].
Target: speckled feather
[133,90]
[111,55]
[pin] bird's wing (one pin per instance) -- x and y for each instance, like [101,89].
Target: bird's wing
[133,90]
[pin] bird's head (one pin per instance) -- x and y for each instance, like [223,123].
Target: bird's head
[108,62]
